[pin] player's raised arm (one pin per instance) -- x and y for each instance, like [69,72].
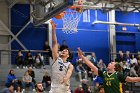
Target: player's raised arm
[86,61]
[54,39]
[132,79]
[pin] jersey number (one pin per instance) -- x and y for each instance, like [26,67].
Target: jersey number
[61,68]
[108,83]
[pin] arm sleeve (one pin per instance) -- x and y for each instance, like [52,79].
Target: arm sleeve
[9,79]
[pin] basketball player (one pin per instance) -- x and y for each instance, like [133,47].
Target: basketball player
[112,79]
[61,69]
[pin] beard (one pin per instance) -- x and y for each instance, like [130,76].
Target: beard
[40,90]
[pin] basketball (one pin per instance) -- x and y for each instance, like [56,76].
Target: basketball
[60,16]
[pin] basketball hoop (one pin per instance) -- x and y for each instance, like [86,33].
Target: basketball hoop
[60,16]
[72,18]
[70,21]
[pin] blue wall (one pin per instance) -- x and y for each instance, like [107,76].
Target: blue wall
[128,40]
[91,38]
[33,38]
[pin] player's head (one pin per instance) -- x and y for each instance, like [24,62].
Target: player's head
[66,53]
[118,67]
[39,87]
[111,66]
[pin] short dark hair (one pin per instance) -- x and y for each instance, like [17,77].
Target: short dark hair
[100,87]
[118,67]
[10,84]
[37,84]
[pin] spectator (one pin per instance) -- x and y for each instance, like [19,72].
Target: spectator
[133,72]
[32,74]
[9,89]
[121,57]
[138,56]
[93,58]
[46,80]
[39,61]
[89,89]
[101,89]
[97,82]
[12,79]
[138,68]
[27,81]
[48,49]
[126,67]
[79,89]
[19,90]
[39,88]
[29,59]
[101,65]
[133,60]
[85,85]
[127,59]
[19,59]
[81,70]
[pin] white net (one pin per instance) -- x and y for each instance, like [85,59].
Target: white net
[70,21]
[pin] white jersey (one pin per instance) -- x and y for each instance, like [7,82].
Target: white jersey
[59,71]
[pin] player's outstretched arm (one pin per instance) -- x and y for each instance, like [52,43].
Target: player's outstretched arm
[86,61]
[54,39]
[68,75]
[132,79]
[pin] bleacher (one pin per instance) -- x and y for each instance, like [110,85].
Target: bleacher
[4,70]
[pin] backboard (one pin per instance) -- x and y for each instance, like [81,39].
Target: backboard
[46,9]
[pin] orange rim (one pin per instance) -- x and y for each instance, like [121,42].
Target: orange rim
[60,16]
[72,7]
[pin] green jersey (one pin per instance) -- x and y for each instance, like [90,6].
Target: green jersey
[112,82]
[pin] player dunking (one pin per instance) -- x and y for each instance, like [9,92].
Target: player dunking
[61,69]
[112,79]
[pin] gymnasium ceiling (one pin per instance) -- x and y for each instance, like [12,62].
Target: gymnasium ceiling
[105,5]
[108,5]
